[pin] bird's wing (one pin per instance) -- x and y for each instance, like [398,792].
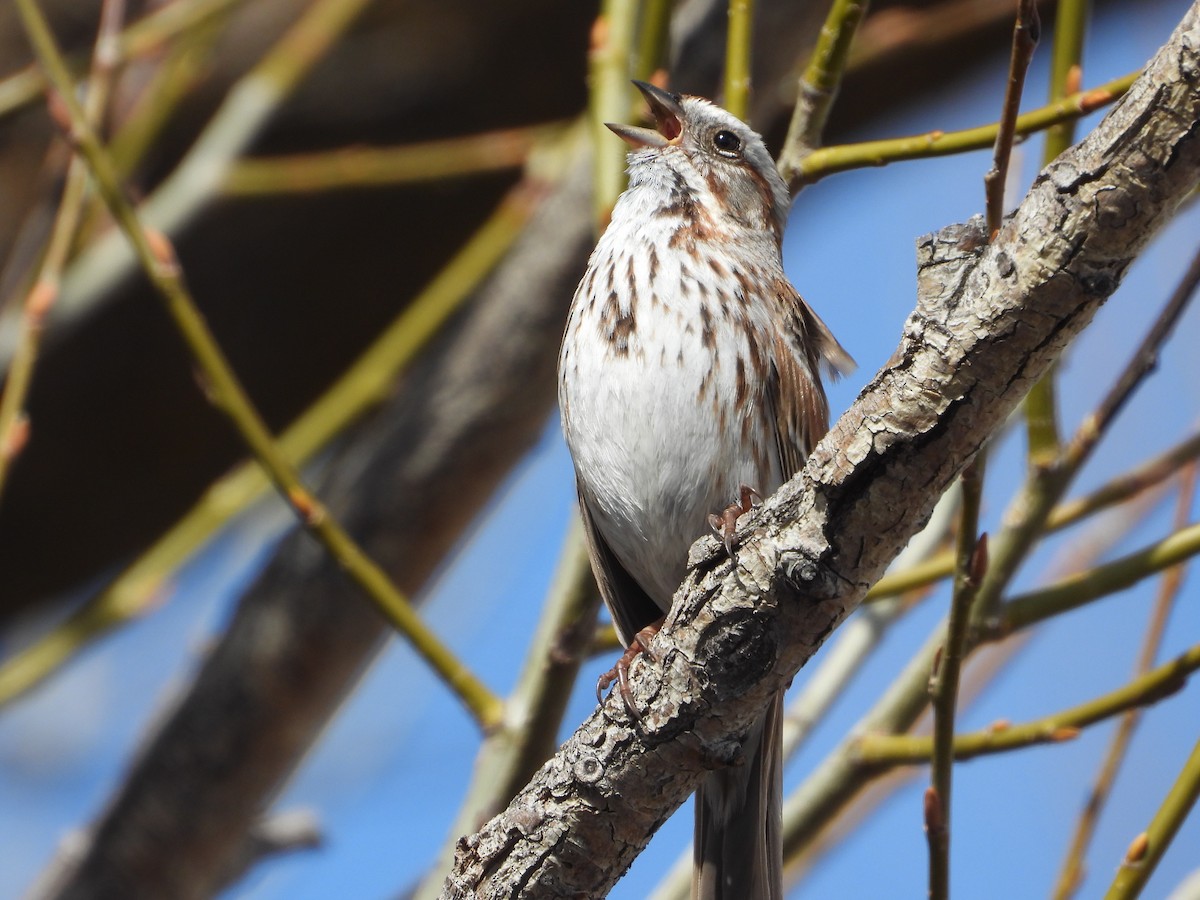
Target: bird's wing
[803,346]
[630,607]
[823,348]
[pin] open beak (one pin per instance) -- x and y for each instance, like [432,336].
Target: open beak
[668,116]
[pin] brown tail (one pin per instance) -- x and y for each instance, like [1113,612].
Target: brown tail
[738,842]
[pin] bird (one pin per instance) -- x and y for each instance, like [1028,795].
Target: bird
[690,376]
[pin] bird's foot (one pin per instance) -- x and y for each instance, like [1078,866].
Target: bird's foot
[725,522]
[620,671]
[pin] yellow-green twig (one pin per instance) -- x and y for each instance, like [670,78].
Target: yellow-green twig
[1126,485]
[20,89]
[610,63]
[653,32]
[1070,593]
[184,64]
[368,167]
[1119,490]
[1072,871]
[879,750]
[1070,25]
[837,779]
[819,85]
[840,777]
[1147,848]
[24,87]
[737,57]
[365,384]
[197,179]
[829,160]
[169,20]
[44,291]
[157,259]
[1045,485]
[534,711]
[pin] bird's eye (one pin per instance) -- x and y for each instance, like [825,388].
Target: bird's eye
[727,143]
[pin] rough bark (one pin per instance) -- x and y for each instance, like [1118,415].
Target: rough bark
[990,319]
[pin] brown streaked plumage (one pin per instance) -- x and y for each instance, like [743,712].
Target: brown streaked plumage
[689,270]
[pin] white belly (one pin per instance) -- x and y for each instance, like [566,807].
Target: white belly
[658,439]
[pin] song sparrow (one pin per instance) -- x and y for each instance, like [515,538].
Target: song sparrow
[688,370]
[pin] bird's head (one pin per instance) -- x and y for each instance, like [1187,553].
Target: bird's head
[712,154]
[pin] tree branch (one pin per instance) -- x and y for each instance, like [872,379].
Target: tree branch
[989,322]
[826,161]
[886,750]
[1073,870]
[1121,489]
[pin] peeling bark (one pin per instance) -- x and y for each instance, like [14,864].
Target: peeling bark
[990,320]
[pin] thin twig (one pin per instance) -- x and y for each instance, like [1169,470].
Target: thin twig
[1046,484]
[819,85]
[289,831]
[157,258]
[654,33]
[26,85]
[604,640]
[826,161]
[169,20]
[897,711]
[20,89]
[970,566]
[1025,39]
[1126,485]
[364,385]
[880,750]
[861,635]
[1147,848]
[1066,57]
[369,167]
[197,179]
[610,64]
[835,781]
[840,661]
[737,57]
[14,427]
[185,63]
[971,561]
[1120,489]
[1072,872]
[1143,362]
[1071,593]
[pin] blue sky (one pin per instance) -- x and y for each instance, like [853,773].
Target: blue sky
[388,775]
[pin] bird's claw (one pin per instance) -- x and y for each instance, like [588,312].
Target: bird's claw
[725,522]
[620,670]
